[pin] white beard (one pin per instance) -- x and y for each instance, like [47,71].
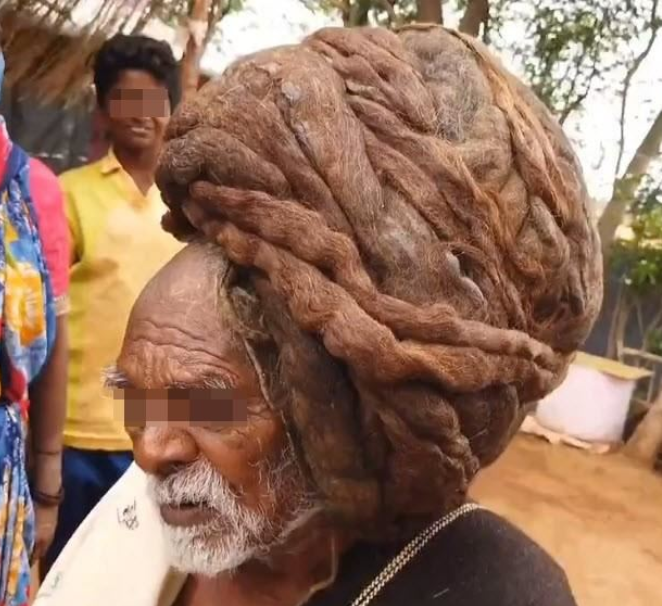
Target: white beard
[238,534]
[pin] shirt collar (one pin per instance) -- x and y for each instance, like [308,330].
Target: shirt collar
[110,164]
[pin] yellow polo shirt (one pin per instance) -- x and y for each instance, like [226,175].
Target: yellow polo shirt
[117,246]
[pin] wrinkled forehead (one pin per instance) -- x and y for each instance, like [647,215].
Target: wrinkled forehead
[195,279]
[179,329]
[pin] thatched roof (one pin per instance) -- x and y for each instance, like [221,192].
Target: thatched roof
[48,44]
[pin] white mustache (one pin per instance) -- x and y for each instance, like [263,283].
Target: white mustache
[238,533]
[197,483]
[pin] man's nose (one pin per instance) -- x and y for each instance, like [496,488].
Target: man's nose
[138,119]
[160,450]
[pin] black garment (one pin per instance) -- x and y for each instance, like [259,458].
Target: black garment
[478,560]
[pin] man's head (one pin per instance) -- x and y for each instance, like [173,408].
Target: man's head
[137,87]
[220,465]
[414,262]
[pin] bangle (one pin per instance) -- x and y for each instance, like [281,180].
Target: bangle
[47,453]
[48,500]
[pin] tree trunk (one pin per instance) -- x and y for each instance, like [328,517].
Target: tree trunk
[626,186]
[429,11]
[476,14]
[645,443]
[359,13]
[195,45]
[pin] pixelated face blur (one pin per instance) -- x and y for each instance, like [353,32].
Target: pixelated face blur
[221,471]
[137,111]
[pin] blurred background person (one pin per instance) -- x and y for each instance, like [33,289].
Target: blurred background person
[33,360]
[114,212]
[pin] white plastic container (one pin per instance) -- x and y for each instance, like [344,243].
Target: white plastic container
[593,402]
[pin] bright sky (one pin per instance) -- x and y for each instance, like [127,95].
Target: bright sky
[596,130]
[265,23]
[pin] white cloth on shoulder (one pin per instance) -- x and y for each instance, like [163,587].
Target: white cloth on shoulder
[117,556]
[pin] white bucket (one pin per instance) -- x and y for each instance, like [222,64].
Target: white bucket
[590,405]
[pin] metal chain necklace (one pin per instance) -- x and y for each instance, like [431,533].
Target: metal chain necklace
[408,553]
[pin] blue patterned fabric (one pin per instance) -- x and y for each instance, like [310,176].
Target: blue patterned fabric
[27,332]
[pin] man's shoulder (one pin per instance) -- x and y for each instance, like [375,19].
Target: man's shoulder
[497,564]
[81,175]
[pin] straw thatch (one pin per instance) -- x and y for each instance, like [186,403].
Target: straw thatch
[48,44]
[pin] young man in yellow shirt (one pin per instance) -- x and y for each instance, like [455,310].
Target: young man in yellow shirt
[114,211]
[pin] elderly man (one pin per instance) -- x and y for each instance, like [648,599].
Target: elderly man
[398,260]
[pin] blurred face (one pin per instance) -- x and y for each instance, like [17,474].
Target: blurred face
[137,111]
[221,472]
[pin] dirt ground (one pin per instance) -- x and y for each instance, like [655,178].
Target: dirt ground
[600,516]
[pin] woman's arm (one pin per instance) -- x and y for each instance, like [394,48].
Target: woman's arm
[48,409]
[48,394]
[48,404]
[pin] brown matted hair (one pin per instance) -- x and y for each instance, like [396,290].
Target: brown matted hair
[415,258]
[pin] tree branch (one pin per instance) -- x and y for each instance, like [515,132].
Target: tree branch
[190,66]
[343,6]
[476,14]
[359,12]
[625,187]
[579,99]
[217,12]
[389,9]
[627,82]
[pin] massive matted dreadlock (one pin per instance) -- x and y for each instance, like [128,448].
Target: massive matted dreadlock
[415,258]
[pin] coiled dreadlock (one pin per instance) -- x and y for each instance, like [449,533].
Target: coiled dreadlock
[416,261]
